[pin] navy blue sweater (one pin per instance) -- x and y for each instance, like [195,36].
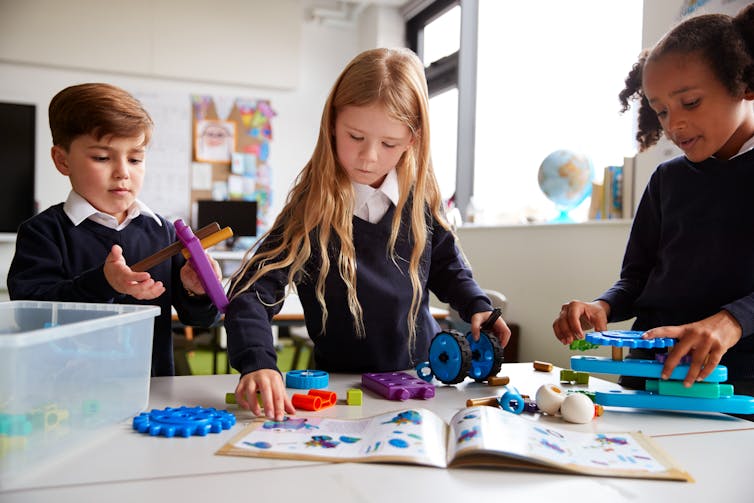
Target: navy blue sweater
[57,261]
[690,253]
[384,292]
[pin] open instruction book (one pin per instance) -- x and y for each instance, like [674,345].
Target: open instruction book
[476,436]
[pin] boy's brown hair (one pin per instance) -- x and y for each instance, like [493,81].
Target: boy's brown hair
[99,110]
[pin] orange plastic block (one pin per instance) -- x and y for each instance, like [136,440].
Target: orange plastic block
[316,399]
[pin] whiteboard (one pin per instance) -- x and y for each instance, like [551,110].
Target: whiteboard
[167,184]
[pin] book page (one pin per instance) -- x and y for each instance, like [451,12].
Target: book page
[490,431]
[410,436]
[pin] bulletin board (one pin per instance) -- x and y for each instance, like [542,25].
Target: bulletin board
[230,151]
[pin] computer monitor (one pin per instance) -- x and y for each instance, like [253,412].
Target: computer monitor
[17,151]
[241,216]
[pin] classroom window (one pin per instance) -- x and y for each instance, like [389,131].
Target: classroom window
[435,35]
[548,77]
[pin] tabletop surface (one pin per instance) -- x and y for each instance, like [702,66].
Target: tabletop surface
[120,464]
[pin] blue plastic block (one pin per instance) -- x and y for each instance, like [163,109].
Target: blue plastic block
[307,379]
[736,404]
[627,339]
[639,368]
[183,421]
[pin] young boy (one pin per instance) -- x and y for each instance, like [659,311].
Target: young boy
[78,251]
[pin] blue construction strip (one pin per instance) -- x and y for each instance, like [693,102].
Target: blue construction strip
[627,339]
[736,404]
[639,368]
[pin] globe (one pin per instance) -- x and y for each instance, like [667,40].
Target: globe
[566,177]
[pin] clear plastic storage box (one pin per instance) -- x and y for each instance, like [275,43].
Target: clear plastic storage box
[67,370]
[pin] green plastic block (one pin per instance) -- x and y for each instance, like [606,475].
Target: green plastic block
[567,375]
[697,390]
[354,397]
[582,378]
[583,345]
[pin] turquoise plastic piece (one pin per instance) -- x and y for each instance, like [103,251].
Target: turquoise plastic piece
[307,379]
[639,368]
[627,339]
[736,404]
[512,401]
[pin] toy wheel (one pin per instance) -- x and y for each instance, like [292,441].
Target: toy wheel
[450,357]
[486,356]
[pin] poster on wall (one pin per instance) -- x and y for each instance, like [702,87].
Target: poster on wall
[233,136]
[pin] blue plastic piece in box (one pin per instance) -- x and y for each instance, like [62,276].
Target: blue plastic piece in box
[183,421]
[627,339]
[639,368]
[736,404]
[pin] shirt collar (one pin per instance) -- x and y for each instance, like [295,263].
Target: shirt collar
[749,145]
[389,188]
[79,209]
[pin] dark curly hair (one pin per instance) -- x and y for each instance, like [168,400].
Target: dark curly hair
[727,45]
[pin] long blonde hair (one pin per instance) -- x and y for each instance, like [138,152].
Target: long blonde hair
[322,198]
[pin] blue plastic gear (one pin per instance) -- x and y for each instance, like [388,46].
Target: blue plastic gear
[450,357]
[307,379]
[424,372]
[486,356]
[183,421]
[627,339]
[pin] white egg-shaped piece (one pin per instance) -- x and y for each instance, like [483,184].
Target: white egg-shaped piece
[577,408]
[548,398]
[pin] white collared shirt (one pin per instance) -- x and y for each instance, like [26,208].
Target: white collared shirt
[79,209]
[371,204]
[746,147]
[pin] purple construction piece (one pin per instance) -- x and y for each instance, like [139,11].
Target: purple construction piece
[397,385]
[201,265]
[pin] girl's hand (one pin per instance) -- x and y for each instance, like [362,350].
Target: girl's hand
[190,278]
[138,285]
[499,329]
[707,341]
[577,316]
[270,386]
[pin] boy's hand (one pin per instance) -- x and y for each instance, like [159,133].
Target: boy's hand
[138,285]
[270,386]
[499,328]
[707,341]
[190,279]
[577,316]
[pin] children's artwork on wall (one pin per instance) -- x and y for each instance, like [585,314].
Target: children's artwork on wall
[214,140]
[241,166]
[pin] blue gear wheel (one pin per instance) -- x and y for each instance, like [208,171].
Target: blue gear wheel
[450,357]
[183,421]
[627,339]
[307,379]
[486,356]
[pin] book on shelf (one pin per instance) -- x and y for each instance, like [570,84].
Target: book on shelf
[628,187]
[476,436]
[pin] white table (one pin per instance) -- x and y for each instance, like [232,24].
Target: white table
[123,465]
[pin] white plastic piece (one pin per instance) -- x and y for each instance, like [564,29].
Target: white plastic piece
[577,408]
[549,398]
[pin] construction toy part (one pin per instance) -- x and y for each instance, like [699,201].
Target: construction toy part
[354,396]
[307,379]
[574,376]
[577,408]
[316,399]
[397,385]
[424,372]
[549,398]
[697,389]
[486,356]
[183,421]
[736,404]
[498,380]
[512,401]
[450,357]
[490,401]
[639,368]
[582,345]
[172,249]
[542,366]
[230,399]
[627,339]
[199,261]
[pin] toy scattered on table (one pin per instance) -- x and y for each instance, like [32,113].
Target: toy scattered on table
[199,261]
[498,380]
[354,396]
[316,399]
[307,379]
[549,398]
[230,399]
[573,407]
[397,385]
[512,401]
[582,345]
[490,401]
[541,366]
[183,421]
[453,356]
[574,377]
[709,395]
